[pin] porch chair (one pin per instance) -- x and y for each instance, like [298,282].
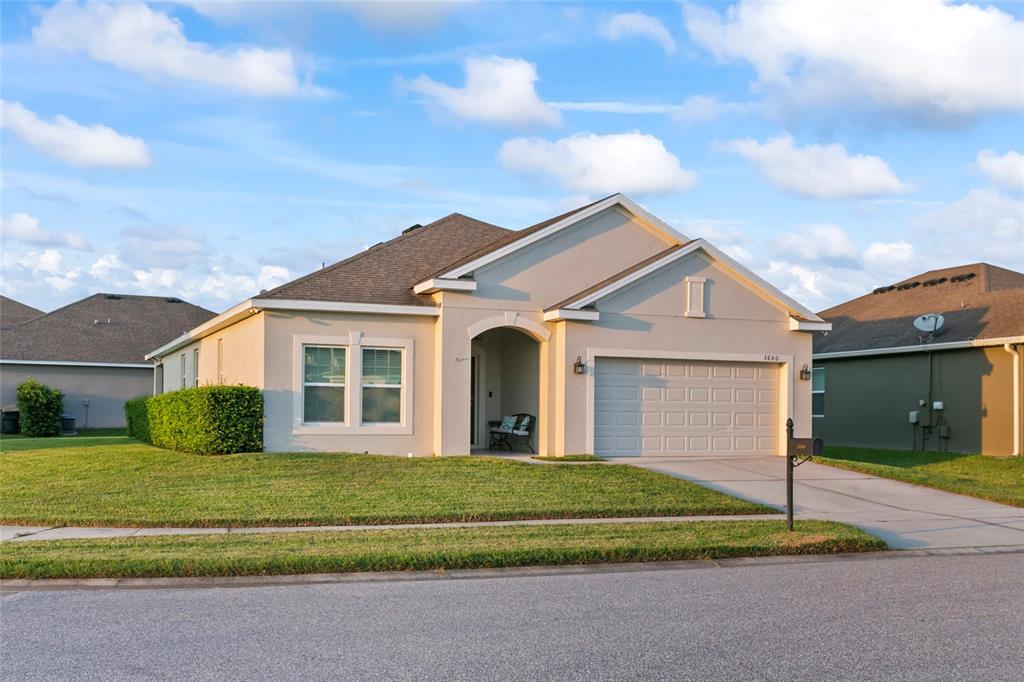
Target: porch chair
[512,428]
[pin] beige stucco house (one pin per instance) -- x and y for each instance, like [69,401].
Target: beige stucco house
[622,336]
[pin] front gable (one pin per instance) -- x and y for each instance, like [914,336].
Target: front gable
[549,269]
[665,293]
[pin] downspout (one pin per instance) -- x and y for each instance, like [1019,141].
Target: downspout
[1016,353]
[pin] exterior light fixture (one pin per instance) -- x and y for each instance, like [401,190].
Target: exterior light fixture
[805,374]
[578,367]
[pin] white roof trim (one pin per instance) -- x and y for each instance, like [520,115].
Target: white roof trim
[255,305]
[952,345]
[567,314]
[72,363]
[702,245]
[438,284]
[614,200]
[796,325]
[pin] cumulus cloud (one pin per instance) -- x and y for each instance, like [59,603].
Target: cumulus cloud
[694,108]
[638,24]
[1006,170]
[822,171]
[73,143]
[983,225]
[931,57]
[135,37]
[496,90]
[821,243]
[163,247]
[25,229]
[632,163]
[896,253]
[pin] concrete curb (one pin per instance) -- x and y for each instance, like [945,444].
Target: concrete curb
[33,533]
[10,586]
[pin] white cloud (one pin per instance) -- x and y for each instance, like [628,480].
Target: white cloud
[822,171]
[497,90]
[104,265]
[1006,170]
[72,142]
[888,254]
[984,225]
[694,108]
[163,247]
[137,38]
[631,24]
[632,163]
[824,243]
[931,57]
[272,276]
[25,229]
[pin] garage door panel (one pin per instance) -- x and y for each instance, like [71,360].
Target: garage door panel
[674,407]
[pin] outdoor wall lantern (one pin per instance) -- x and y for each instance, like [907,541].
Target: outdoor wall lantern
[578,367]
[805,374]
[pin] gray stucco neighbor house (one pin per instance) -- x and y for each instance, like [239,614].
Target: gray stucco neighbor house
[93,350]
[875,372]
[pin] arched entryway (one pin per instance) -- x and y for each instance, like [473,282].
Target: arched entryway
[504,381]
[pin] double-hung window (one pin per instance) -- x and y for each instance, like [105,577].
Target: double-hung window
[184,372]
[382,386]
[818,392]
[323,389]
[195,366]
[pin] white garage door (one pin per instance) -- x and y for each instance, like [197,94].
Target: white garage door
[682,407]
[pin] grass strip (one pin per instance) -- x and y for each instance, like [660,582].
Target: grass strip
[422,549]
[139,485]
[999,479]
[569,458]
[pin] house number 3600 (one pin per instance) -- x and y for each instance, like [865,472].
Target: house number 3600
[770,357]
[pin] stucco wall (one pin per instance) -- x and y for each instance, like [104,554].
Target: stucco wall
[106,389]
[241,357]
[868,400]
[284,335]
[650,316]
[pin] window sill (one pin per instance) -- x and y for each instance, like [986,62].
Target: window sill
[347,430]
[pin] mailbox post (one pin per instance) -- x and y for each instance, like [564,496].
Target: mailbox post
[798,451]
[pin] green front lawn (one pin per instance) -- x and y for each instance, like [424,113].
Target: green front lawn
[131,484]
[423,549]
[990,478]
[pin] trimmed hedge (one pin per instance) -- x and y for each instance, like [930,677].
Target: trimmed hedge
[136,416]
[39,408]
[208,420]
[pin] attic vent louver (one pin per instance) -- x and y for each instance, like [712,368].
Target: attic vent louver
[410,229]
[695,297]
[113,297]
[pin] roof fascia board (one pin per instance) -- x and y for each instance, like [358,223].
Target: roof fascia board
[796,325]
[563,314]
[438,284]
[952,345]
[614,200]
[343,307]
[73,363]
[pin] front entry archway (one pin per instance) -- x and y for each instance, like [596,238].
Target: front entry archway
[504,380]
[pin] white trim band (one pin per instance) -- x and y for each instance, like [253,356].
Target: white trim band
[438,284]
[952,345]
[71,363]
[567,314]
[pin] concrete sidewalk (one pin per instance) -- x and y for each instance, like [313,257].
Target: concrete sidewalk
[905,516]
[24,533]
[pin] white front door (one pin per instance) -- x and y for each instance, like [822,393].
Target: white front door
[683,407]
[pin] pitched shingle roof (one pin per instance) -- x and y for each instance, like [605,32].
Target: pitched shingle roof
[15,312]
[977,301]
[387,272]
[102,328]
[616,277]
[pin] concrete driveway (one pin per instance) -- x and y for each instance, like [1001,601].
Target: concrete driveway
[906,516]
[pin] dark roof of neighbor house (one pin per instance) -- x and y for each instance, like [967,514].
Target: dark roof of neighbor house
[15,312]
[387,272]
[977,301]
[114,328]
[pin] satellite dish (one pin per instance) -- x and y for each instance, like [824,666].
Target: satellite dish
[930,322]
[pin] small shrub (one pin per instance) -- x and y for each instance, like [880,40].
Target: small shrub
[136,416]
[39,408]
[208,420]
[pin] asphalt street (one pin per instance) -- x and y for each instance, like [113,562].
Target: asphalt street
[880,618]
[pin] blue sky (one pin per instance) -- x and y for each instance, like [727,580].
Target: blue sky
[211,149]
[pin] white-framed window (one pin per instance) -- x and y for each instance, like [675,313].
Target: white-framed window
[195,366]
[818,392]
[220,360]
[382,385]
[323,384]
[695,296]
[184,372]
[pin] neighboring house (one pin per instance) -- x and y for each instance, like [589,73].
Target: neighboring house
[94,351]
[875,368]
[619,334]
[15,312]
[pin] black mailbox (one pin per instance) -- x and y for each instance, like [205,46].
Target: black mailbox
[806,447]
